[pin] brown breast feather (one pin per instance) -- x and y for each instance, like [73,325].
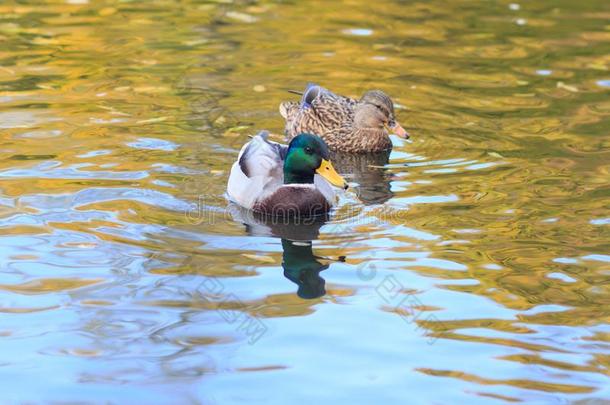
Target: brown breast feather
[294,201]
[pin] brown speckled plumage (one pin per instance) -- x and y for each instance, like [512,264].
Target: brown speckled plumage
[351,139]
[345,124]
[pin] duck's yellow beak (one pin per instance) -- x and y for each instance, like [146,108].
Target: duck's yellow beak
[327,171]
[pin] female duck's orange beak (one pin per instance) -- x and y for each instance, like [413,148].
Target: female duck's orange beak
[398,130]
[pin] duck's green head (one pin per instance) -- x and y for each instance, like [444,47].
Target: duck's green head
[308,155]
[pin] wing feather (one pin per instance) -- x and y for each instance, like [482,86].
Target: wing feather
[258,170]
[319,111]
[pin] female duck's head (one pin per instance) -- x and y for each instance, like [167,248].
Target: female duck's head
[307,156]
[376,110]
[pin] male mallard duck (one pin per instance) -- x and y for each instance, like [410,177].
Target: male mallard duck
[346,124]
[281,180]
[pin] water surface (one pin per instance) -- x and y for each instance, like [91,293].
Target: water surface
[472,266]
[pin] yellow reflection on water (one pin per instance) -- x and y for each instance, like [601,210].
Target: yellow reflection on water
[118,125]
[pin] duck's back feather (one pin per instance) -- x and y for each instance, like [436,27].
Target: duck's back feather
[319,111]
[261,157]
[257,172]
[289,110]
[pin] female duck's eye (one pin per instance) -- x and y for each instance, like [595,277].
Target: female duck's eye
[308,150]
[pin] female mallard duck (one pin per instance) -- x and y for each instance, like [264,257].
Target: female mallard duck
[346,124]
[279,180]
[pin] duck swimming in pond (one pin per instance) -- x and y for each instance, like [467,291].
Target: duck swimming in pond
[286,181]
[345,124]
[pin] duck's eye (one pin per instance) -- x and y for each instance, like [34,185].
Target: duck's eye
[308,150]
[380,108]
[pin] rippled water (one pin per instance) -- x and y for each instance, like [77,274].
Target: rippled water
[472,267]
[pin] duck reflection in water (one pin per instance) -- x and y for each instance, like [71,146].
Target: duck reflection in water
[302,268]
[300,264]
[368,171]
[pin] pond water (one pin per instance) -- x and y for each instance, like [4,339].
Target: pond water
[471,267]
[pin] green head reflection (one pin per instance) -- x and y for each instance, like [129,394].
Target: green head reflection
[302,268]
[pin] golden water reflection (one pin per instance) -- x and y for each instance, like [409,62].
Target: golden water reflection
[475,256]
